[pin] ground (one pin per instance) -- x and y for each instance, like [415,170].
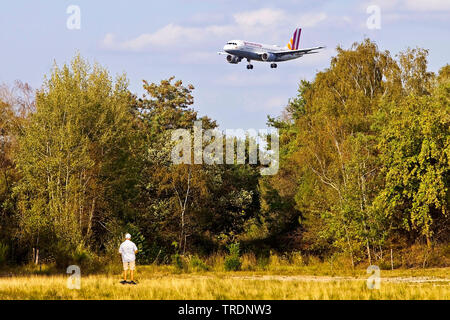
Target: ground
[157,283]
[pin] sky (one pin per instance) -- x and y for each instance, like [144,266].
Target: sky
[153,40]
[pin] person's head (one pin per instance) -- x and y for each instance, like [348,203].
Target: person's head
[128,236]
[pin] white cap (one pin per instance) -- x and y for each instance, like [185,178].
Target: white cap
[128,236]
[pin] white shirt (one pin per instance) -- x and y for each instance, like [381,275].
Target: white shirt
[127,250]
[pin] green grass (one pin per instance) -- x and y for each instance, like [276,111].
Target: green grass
[164,283]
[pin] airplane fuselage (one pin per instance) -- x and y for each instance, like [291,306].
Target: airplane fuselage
[237,50]
[254,51]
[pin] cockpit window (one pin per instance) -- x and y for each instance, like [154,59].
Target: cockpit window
[232,43]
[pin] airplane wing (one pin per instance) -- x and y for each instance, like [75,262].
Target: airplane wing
[302,51]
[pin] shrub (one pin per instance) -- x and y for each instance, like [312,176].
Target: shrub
[263,263]
[234,249]
[233,261]
[177,261]
[82,256]
[197,264]
[144,253]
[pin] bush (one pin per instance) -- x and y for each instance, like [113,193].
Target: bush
[263,262]
[197,264]
[234,249]
[144,253]
[177,261]
[233,261]
[82,256]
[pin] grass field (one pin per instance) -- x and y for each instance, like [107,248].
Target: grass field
[164,283]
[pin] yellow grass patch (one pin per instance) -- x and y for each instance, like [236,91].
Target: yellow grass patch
[211,286]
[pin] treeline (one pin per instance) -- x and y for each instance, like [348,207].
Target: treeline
[365,157]
[364,167]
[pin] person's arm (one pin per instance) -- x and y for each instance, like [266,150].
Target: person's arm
[135,249]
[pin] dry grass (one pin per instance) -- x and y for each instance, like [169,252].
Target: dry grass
[161,283]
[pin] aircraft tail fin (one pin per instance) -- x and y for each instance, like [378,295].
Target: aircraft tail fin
[295,40]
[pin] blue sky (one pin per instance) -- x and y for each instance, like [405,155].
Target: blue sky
[154,40]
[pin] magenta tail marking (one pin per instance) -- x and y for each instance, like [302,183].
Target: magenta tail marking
[297,45]
[294,40]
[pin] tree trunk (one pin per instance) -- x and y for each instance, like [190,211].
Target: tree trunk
[183,211]
[429,243]
[392,261]
[36,261]
[350,249]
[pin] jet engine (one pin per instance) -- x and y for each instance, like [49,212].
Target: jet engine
[233,59]
[267,56]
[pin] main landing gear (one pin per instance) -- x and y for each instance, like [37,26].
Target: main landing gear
[249,65]
[273,65]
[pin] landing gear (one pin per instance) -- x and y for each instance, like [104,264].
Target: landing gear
[249,65]
[273,65]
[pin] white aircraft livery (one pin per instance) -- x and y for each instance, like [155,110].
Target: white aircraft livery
[236,50]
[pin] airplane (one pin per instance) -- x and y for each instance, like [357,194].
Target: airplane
[236,50]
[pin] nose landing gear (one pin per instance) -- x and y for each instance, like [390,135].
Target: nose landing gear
[273,65]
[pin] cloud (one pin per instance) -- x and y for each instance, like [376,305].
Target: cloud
[265,22]
[411,5]
[419,11]
[263,17]
[170,36]
[428,5]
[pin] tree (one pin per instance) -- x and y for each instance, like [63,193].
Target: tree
[415,149]
[16,103]
[331,155]
[73,153]
[188,204]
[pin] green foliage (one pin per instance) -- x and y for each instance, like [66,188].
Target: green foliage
[73,157]
[177,261]
[184,202]
[143,256]
[234,250]
[233,260]
[415,151]
[364,163]
[364,153]
[232,263]
[197,264]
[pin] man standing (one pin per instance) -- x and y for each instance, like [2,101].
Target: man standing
[128,251]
